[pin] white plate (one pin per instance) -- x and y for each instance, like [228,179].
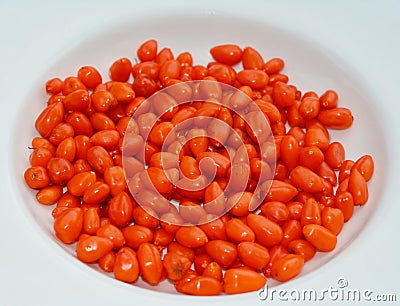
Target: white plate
[325,47]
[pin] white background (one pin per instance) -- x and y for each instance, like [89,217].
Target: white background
[34,33]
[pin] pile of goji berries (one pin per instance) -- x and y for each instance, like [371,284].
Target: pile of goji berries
[77,163]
